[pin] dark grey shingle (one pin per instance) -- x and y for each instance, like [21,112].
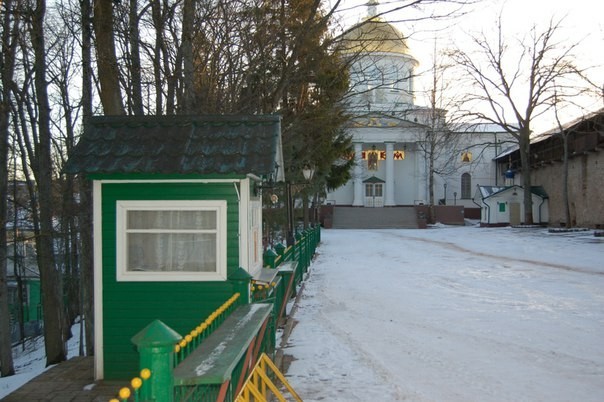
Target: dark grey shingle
[177,145]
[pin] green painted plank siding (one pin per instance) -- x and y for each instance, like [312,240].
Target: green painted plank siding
[33,310]
[129,306]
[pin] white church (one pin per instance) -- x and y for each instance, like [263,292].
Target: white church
[389,132]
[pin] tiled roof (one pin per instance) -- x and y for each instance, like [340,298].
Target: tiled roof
[489,191]
[178,145]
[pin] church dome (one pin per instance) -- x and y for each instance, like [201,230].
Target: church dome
[375,36]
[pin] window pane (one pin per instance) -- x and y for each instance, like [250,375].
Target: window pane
[466,185]
[187,220]
[189,252]
[378,190]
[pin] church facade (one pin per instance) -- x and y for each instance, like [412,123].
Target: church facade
[393,137]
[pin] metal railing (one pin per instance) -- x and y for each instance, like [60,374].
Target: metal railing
[190,341]
[138,389]
[299,256]
[159,343]
[226,391]
[260,385]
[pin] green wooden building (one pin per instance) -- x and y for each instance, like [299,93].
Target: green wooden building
[23,280]
[177,220]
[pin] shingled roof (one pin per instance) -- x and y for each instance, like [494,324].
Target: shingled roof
[179,145]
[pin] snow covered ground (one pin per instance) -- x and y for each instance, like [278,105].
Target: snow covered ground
[451,314]
[445,314]
[30,361]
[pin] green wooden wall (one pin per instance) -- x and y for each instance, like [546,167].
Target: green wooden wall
[129,306]
[34,311]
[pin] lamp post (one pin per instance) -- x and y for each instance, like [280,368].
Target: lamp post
[290,214]
[307,172]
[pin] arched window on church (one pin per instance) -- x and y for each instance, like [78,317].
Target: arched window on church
[466,186]
[372,159]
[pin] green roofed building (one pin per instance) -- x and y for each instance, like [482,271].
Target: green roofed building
[177,220]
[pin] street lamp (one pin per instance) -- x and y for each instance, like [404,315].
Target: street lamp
[308,172]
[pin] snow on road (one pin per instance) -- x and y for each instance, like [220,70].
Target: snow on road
[451,314]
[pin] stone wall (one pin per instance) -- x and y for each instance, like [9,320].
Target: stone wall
[586,190]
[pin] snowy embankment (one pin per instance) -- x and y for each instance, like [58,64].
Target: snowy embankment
[451,314]
[30,361]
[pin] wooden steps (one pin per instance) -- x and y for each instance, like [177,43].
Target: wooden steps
[374,218]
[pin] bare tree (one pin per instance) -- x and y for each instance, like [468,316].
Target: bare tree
[516,88]
[7,65]
[135,65]
[50,279]
[188,18]
[565,132]
[439,143]
[225,56]
[106,58]
[85,191]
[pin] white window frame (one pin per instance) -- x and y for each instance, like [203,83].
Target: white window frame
[122,209]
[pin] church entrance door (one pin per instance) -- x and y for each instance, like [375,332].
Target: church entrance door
[374,195]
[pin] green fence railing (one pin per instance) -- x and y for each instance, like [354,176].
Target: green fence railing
[213,360]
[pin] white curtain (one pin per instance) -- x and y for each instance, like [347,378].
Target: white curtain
[172,240]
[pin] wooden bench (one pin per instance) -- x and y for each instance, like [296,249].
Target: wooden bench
[215,359]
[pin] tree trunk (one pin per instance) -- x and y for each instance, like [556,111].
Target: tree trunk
[6,357]
[565,202]
[86,259]
[157,55]
[7,63]
[50,281]
[187,49]
[430,155]
[87,262]
[525,160]
[135,60]
[108,72]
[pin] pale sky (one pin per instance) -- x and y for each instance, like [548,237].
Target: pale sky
[583,23]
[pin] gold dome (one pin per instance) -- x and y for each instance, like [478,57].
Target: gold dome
[374,35]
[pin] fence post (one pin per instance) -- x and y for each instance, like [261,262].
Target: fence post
[280,249]
[155,345]
[241,281]
[307,240]
[269,258]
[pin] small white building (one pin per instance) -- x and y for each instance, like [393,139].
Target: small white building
[503,206]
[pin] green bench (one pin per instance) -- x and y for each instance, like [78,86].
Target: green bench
[214,361]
